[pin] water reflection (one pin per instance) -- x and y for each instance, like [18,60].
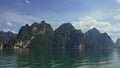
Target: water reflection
[7,59]
[21,52]
[71,58]
[116,58]
[86,58]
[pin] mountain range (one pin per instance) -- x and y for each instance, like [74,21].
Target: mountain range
[41,35]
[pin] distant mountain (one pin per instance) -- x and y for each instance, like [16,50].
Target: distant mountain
[42,36]
[38,35]
[66,36]
[117,44]
[5,36]
[101,40]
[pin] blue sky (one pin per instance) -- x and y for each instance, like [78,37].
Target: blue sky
[83,14]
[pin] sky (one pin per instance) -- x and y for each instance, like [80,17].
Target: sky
[82,14]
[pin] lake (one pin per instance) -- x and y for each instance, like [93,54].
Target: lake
[48,58]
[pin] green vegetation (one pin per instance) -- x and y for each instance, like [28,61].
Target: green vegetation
[45,38]
[66,36]
[24,33]
[41,35]
[37,35]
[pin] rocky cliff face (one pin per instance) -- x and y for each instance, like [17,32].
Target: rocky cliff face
[36,35]
[101,40]
[41,35]
[66,36]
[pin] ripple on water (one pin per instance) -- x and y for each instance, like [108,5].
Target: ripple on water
[92,64]
[8,61]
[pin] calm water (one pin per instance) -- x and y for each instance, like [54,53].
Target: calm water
[34,58]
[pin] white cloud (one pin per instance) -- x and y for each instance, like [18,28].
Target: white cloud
[87,23]
[118,10]
[17,18]
[117,17]
[23,2]
[9,23]
[7,30]
[117,1]
[27,1]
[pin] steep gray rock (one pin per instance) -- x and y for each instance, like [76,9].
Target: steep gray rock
[101,40]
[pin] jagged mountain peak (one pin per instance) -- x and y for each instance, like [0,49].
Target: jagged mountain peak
[102,40]
[40,33]
[67,25]
[65,36]
[94,30]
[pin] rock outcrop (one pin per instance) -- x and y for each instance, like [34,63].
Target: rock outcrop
[101,40]
[36,35]
[66,36]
